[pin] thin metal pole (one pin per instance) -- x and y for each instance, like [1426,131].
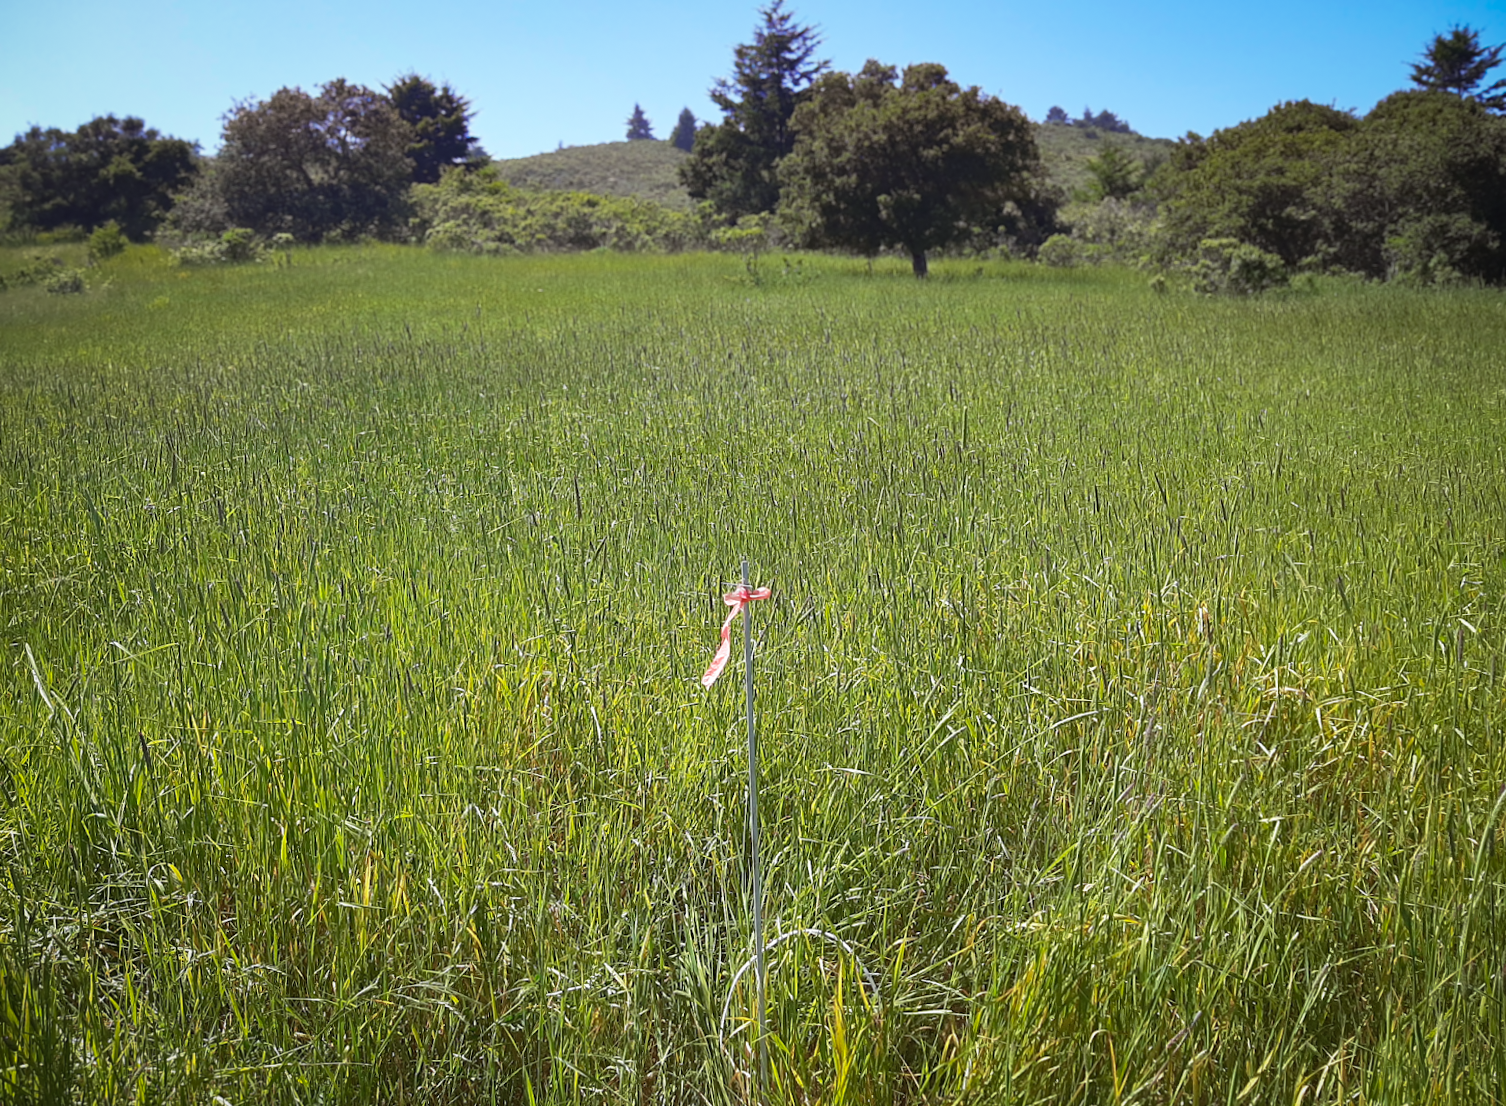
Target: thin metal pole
[757,873]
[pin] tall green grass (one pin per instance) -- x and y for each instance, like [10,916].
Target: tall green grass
[1130,698]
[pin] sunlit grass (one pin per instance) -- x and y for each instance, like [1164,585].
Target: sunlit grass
[1130,696]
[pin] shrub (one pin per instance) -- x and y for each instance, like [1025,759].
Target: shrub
[1111,230]
[106,241]
[38,268]
[1438,249]
[65,282]
[478,212]
[235,246]
[240,244]
[1061,251]
[1227,265]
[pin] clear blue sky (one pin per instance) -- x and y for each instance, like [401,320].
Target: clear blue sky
[541,74]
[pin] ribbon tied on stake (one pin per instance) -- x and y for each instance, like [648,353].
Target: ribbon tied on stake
[737,599]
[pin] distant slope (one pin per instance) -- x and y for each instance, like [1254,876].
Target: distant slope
[1066,151]
[645,168]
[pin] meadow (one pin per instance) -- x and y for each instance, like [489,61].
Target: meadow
[1130,696]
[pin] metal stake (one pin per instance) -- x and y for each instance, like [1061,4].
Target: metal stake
[757,874]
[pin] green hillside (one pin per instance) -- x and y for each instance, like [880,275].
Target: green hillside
[644,168]
[1066,151]
[648,169]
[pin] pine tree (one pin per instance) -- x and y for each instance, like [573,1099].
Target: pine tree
[734,163]
[638,125]
[683,136]
[1457,63]
[440,120]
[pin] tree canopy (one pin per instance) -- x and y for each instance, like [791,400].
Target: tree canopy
[1420,190]
[917,162]
[1415,188]
[1262,182]
[308,165]
[1457,63]
[439,119]
[109,169]
[734,164]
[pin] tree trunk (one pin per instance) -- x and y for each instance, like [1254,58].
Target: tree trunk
[918,263]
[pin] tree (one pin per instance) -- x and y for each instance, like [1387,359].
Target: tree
[638,125]
[1415,189]
[916,163]
[439,118]
[1115,175]
[310,166]
[734,164]
[1457,63]
[109,170]
[683,136]
[1421,190]
[1104,121]
[1266,182]
[1058,116]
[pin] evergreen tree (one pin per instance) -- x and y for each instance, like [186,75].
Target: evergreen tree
[1057,115]
[638,125]
[440,120]
[683,136]
[734,163]
[1104,121]
[1116,175]
[1457,63]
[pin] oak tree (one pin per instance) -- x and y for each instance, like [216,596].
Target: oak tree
[108,170]
[312,165]
[917,162]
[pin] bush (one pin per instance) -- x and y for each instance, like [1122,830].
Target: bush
[106,241]
[39,268]
[478,212]
[1438,249]
[1229,266]
[1061,251]
[65,282]
[235,246]
[1118,231]
[240,244]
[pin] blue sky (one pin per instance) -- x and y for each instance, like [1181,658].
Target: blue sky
[542,74]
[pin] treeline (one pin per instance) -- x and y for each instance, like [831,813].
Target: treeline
[1057,116]
[334,163]
[864,162]
[1415,189]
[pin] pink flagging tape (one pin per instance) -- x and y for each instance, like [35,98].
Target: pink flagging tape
[737,600]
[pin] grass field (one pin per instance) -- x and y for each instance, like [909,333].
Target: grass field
[1130,696]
